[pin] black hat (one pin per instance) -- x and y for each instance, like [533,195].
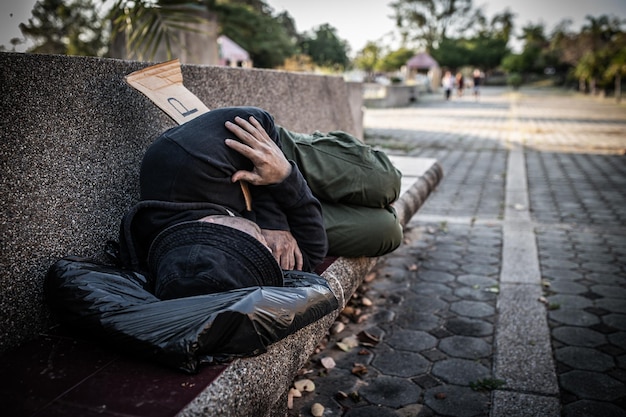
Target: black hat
[193,258]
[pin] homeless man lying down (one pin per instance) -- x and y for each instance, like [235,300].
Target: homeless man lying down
[311,196]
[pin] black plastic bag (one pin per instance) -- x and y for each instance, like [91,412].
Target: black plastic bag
[116,307]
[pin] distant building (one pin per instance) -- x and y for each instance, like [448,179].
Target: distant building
[424,66]
[231,54]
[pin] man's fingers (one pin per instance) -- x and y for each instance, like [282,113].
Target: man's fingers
[298,259]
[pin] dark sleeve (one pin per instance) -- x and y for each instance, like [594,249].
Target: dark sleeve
[293,207]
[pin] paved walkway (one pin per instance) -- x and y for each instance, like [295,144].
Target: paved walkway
[508,297]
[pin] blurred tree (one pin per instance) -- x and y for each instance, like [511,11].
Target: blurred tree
[325,48]
[597,40]
[429,22]
[532,59]
[485,49]
[617,65]
[394,60]
[147,24]
[367,59]
[298,63]
[65,27]
[265,37]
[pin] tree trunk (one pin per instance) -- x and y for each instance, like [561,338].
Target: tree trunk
[618,87]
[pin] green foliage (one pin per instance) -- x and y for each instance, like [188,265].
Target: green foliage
[65,27]
[429,22]
[480,51]
[368,57]
[514,80]
[268,47]
[325,48]
[147,24]
[394,60]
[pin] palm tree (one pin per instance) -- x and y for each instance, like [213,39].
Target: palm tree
[147,24]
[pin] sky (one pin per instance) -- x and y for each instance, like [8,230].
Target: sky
[360,21]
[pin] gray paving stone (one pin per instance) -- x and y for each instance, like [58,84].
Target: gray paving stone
[440,265]
[474,309]
[566,274]
[615,320]
[584,358]
[390,391]
[412,340]
[566,287]
[482,269]
[394,273]
[469,327]
[601,267]
[460,371]
[604,278]
[399,362]
[465,347]
[570,301]
[573,317]
[424,304]
[579,336]
[587,408]
[595,257]
[430,288]
[558,263]
[453,400]
[445,255]
[614,305]
[476,294]
[410,319]
[618,339]
[435,276]
[592,385]
[478,281]
[371,411]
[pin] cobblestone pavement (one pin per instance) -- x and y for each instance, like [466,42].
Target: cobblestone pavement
[508,297]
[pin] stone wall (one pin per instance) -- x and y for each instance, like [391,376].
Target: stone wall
[72,137]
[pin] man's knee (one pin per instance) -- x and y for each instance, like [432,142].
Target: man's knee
[361,231]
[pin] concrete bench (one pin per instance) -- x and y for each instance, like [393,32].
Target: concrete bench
[73,134]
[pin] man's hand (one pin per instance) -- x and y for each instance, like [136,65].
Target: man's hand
[270,165]
[284,248]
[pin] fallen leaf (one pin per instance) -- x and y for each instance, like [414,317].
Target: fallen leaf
[366,302]
[441,396]
[337,327]
[343,346]
[328,362]
[304,385]
[359,369]
[368,339]
[348,311]
[295,393]
[364,352]
[341,395]
[317,410]
[350,341]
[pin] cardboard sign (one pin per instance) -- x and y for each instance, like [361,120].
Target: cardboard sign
[163,84]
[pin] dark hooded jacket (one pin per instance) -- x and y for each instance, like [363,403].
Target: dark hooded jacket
[186,175]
